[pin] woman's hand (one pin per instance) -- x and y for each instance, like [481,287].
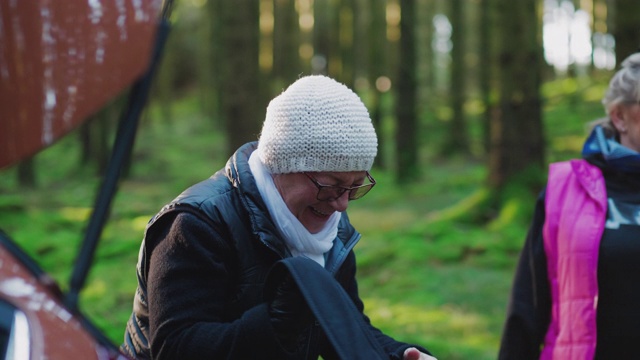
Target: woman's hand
[415,354]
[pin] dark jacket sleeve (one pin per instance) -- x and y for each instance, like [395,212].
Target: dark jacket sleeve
[188,283]
[529,309]
[347,277]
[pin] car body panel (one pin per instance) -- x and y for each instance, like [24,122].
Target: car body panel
[61,61]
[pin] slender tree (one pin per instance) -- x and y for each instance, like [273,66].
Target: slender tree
[242,99]
[27,173]
[345,19]
[378,38]
[426,9]
[213,76]
[626,28]
[600,19]
[361,43]
[94,136]
[516,128]
[206,62]
[486,68]
[457,138]
[407,124]
[323,36]
[286,40]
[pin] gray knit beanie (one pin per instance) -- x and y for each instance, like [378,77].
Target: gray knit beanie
[317,124]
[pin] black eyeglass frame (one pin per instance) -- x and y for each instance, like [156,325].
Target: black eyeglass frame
[340,190]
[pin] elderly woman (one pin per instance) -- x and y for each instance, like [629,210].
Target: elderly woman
[206,255]
[576,294]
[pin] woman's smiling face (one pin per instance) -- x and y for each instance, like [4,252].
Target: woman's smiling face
[300,195]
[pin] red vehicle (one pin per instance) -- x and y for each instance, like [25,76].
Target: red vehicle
[60,62]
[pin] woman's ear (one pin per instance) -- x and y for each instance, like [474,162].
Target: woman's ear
[618,118]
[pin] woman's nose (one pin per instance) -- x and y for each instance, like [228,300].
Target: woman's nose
[341,203]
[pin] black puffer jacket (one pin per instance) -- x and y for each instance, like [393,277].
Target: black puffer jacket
[201,271]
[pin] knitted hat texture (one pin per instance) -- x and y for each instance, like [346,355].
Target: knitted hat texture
[317,124]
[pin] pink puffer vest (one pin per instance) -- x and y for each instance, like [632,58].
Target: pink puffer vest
[575,206]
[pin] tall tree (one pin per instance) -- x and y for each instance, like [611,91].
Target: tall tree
[427,97]
[241,97]
[406,90]
[360,45]
[486,68]
[346,31]
[94,136]
[325,43]
[27,173]
[378,35]
[626,28]
[516,128]
[286,40]
[457,140]
[426,9]
[206,61]
[213,76]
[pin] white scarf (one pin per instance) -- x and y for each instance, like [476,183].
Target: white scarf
[298,239]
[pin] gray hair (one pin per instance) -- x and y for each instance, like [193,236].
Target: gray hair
[624,88]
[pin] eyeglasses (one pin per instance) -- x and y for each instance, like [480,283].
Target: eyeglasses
[333,192]
[631,102]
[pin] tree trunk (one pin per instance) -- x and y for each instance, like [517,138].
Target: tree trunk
[216,59]
[486,68]
[407,125]
[242,100]
[344,13]
[458,141]
[426,9]
[360,49]
[286,40]
[516,128]
[27,173]
[626,28]
[378,37]
[163,89]
[327,58]
[94,136]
